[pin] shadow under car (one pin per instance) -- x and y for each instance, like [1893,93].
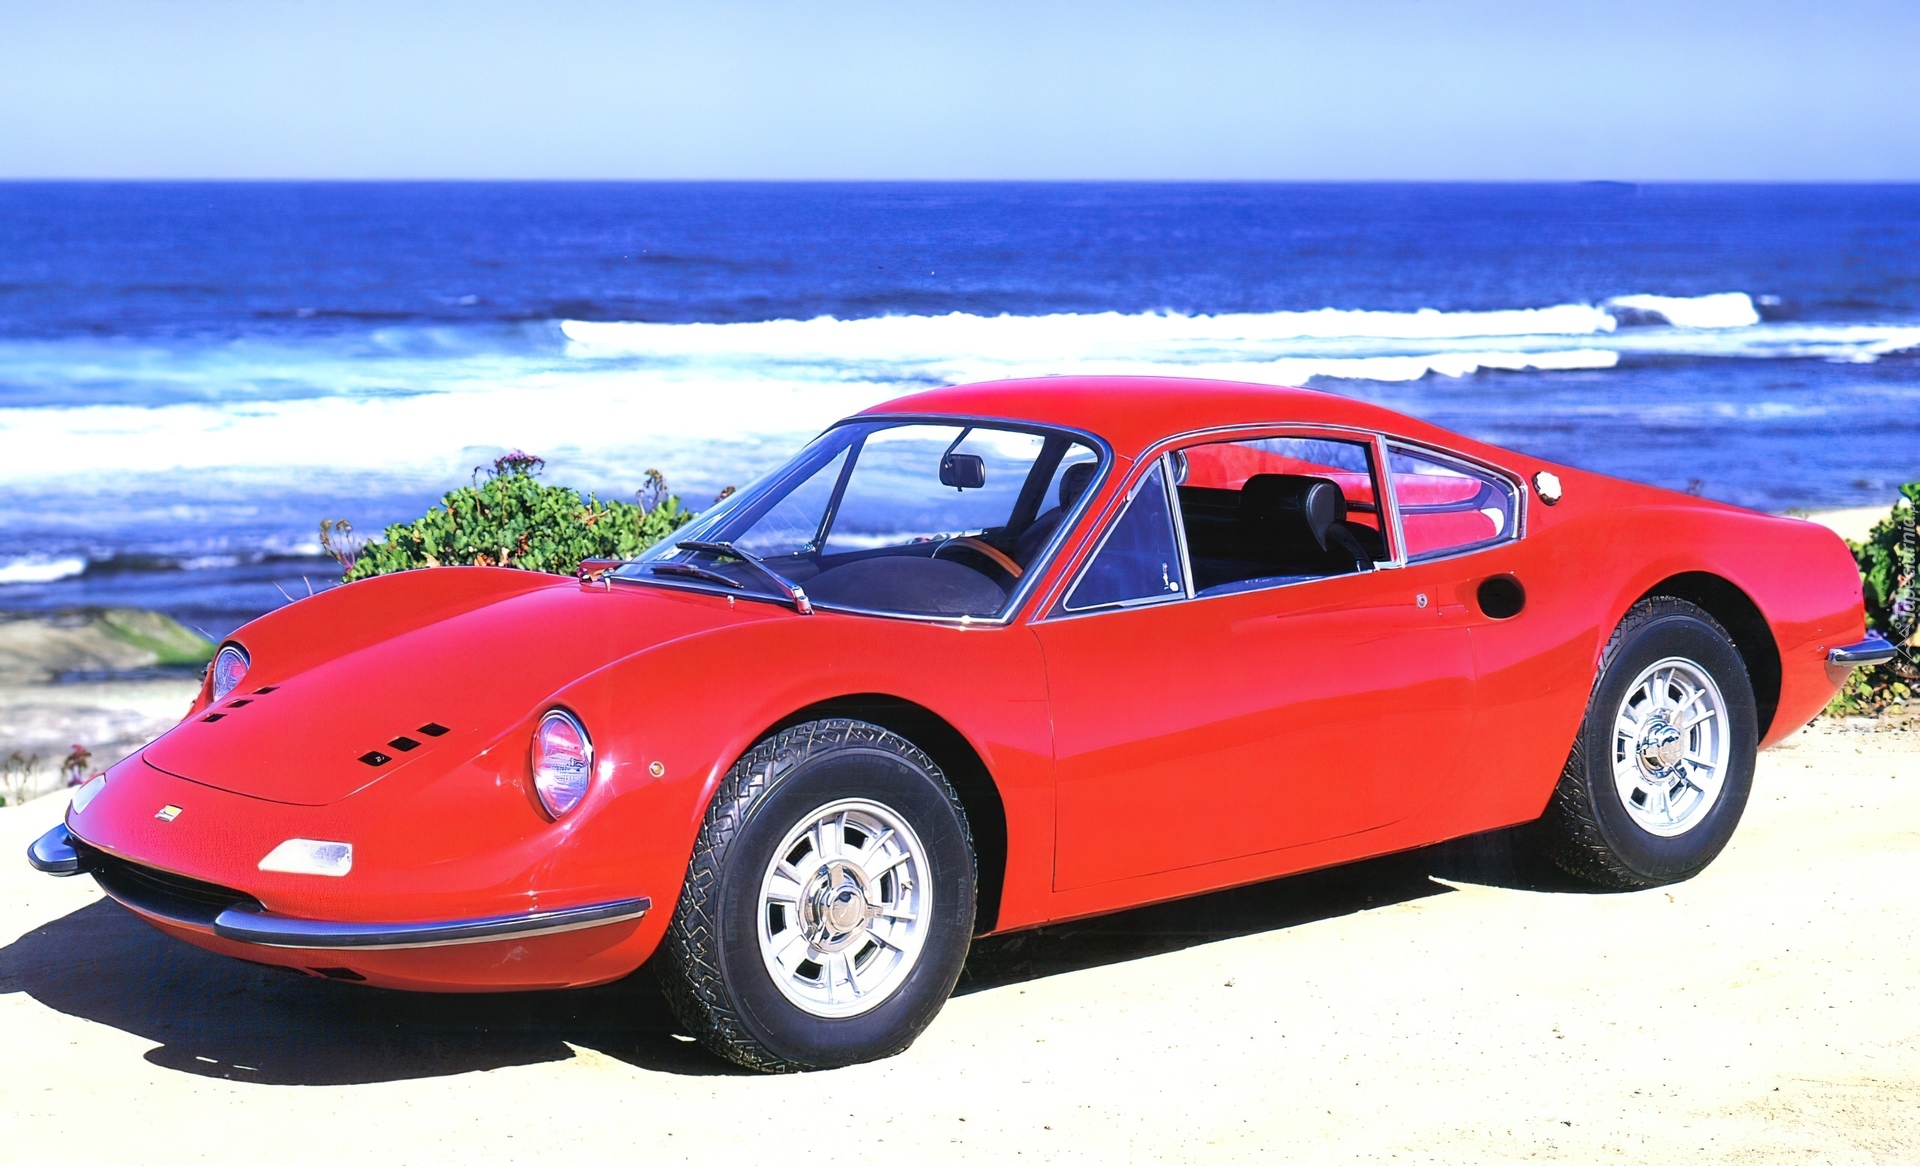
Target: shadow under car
[219,1017]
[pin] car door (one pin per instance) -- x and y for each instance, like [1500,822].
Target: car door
[1464,524]
[1199,719]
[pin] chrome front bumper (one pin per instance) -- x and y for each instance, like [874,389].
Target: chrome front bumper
[245,925]
[244,921]
[53,853]
[1873,650]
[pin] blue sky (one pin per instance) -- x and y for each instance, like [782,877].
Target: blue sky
[1366,89]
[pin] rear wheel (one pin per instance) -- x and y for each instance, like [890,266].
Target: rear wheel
[828,905]
[1659,775]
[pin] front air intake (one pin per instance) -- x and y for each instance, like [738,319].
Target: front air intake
[157,892]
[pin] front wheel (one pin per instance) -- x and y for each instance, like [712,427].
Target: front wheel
[1659,775]
[828,905]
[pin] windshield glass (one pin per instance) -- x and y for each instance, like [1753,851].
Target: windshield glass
[902,517]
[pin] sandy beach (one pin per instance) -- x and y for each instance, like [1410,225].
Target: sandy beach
[1452,1005]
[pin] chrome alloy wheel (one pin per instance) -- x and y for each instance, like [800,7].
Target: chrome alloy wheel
[1670,747]
[844,908]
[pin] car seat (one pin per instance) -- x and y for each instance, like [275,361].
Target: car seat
[1073,483]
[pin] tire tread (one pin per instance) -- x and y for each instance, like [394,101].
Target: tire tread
[690,977]
[1571,833]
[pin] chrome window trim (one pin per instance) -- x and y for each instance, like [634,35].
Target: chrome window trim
[1442,454]
[1387,506]
[1379,441]
[1055,607]
[1029,579]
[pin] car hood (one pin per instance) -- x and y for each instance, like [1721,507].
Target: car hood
[407,674]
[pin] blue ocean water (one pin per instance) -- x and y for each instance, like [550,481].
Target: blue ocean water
[193,375]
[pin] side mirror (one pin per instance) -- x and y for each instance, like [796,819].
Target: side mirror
[963,471]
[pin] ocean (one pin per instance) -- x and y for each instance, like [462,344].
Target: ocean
[193,375]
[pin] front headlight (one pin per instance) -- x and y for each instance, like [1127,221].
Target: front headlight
[229,669]
[562,762]
[83,797]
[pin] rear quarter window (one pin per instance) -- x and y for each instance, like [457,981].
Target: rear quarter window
[1448,506]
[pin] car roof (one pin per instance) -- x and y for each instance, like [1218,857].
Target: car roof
[1133,413]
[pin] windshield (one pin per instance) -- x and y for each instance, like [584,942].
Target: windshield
[902,517]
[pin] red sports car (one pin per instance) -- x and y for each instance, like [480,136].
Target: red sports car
[974,660]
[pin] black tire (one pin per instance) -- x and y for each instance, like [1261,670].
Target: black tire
[712,972]
[1587,829]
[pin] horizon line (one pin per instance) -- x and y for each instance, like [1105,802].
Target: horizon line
[262,180]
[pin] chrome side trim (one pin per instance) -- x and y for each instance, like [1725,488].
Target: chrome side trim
[53,853]
[1875,649]
[244,925]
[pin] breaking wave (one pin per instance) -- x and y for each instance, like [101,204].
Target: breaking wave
[39,568]
[600,396]
[1721,310]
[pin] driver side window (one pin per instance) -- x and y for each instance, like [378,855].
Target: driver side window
[1278,510]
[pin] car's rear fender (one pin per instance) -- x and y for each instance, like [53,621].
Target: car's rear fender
[1787,591]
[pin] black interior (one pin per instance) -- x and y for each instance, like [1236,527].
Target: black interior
[1277,528]
[961,581]
[1073,483]
[909,583]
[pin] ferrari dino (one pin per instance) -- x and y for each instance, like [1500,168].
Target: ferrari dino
[974,660]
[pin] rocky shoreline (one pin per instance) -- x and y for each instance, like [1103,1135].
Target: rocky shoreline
[104,681]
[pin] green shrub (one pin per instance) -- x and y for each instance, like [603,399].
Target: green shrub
[1887,567]
[512,520]
[1892,590]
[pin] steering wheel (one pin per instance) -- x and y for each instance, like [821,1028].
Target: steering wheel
[984,549]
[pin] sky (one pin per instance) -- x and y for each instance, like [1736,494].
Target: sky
[1030,89]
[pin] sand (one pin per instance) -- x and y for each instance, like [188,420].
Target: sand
[1453,1005]
[1854,523]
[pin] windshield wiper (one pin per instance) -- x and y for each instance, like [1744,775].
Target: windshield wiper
[693,572]
[787,588]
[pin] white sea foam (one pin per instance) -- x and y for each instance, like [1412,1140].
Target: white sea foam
[608,399]
[1720,310]
[925,338]
[39,569]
